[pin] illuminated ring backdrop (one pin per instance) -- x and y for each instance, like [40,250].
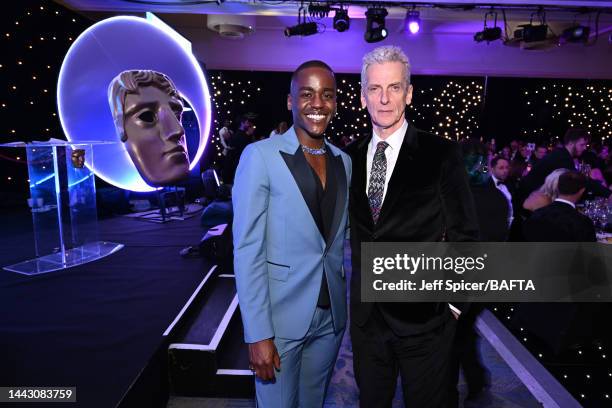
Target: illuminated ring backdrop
[96,57]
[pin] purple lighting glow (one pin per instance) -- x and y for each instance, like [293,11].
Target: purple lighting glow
[96,57]
[413,21]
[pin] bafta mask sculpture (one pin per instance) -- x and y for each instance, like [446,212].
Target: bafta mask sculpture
[147,109]
[78,158]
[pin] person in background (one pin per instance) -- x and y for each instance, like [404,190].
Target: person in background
[505,152]
[225,136]
[539,153]
[546,194]
[575,143]
[514,149]
[239,140]
[279,129]
[560,221]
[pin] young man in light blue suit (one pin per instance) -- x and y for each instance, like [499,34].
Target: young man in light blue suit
[290,200]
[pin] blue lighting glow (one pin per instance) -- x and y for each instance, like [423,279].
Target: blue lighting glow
[96,57]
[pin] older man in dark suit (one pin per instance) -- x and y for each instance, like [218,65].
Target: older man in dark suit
[408,185]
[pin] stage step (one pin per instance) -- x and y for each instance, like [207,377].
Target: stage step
[207,355]
[192,353]
[233,378]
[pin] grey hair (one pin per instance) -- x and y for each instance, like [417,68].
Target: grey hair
[551,184]
[128,82]
[379,55]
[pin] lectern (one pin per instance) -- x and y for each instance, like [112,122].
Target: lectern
[63,204]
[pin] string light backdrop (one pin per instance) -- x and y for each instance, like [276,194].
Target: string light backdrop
[551,108]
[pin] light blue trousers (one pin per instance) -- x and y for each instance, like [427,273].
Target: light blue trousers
[307,365]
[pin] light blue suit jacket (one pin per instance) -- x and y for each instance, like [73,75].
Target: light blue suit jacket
[279,253]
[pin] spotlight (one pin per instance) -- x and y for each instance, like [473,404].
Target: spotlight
[341,20]
[489,34]
[578,33]
[531,33]
[302,29]
[375,25]
[413,22]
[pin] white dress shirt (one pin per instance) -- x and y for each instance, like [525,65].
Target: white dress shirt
[395,141]
[504,189]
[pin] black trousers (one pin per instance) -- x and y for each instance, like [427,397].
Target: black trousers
[424,362]
[466,356]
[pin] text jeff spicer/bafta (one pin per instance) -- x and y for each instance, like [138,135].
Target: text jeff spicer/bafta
[456,286]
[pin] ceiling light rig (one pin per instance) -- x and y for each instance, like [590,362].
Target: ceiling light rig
[575,34]
[302,28]
[375,24]
[489,34]
[413,22]
[342,22]
[533,33]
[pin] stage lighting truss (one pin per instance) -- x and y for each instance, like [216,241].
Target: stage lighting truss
[375,24]
[303,27]
[489,34]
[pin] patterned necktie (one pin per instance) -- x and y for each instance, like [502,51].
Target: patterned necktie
[377,180]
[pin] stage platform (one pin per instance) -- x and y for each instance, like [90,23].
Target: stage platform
[102,327]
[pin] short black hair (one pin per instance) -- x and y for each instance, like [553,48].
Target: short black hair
[574,134]
[310,64]
[496,159]
[571,182]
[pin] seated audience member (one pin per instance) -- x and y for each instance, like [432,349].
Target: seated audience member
[524,153]
[538,154]
[518,170]
[545,194]
[574,145]
[514,149]
[493,200]
[560,221]
[505,152]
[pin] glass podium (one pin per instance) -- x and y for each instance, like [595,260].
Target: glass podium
[63,205]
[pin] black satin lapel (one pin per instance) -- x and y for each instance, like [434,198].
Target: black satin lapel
[300,170]
[404,169]
[337,167]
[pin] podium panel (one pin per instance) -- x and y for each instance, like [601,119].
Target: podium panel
[63,204]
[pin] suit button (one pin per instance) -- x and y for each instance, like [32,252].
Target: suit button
[374,236]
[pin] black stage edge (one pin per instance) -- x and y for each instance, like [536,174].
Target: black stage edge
[100,326]
[207,356]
